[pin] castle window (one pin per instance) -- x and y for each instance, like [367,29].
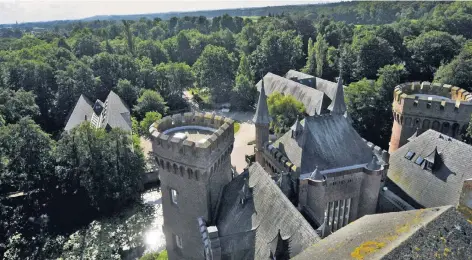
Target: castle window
[419,160]
[409,155]
[178,241]
[174,194]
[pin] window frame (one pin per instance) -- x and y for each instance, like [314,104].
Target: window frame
[174,196]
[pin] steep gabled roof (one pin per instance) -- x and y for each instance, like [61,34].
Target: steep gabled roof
[414,234]
[262,111]
[252,226]
[297,74]
[417,185]
[83,111]
[114,113]
[118,114]
[311,98]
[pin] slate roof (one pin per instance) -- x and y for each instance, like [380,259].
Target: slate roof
[338,106]
[118,113]
[115,115]
[257,222]
[424,188]
[417,234]
[83,109]
[311,98]
[327,87]
[262,111]
[298,75]
[328,142]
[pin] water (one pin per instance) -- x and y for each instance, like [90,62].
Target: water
[154,238]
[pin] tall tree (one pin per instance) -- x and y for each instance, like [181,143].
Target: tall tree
[127,91]
[244,91]
[15,105]
[310,67]
[321,50]
[284,110]
[215,70]
[129,36]
[459,71]
[150,101]
[278,52]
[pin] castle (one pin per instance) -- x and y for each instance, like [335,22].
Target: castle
[305,186]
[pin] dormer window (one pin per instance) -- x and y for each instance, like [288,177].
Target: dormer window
[433,160]
[419,160]
[409,155]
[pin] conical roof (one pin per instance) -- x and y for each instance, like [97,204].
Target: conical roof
[338,106]
[262,111]
[374,164]
[297,127]
[434,156]
[316,175]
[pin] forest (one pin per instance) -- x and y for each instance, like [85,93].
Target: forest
[54,182]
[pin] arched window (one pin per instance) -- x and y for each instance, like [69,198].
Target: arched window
[426,124]
[445,128]
[455,129]
[175,168]
[168,166]
[182,170]
[197,175]
[436,125]
[190,173]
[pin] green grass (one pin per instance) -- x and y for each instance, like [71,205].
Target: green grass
[237,125]
[155,256]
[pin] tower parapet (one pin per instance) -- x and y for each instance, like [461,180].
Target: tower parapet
[193,153]
[418,107]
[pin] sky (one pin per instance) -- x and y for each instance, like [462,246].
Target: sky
[12,11]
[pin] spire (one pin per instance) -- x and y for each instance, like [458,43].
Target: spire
[297,128]
[316,175]
[338,106]
[374,164]
[262,112]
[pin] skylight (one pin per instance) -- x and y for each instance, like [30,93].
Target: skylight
[419,160]
[409,155]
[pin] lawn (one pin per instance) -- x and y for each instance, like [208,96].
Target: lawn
[237,125]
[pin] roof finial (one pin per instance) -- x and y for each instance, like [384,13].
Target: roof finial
[338,106]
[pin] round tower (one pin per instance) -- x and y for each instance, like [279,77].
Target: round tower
[418,107]
[193,153]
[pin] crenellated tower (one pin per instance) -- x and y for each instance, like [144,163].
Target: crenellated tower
[418,107]
[193,153]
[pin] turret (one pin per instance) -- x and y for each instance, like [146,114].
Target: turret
[261,120]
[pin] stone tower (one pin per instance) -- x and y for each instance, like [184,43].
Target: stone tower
[418,107]
[261,120]
[193,153]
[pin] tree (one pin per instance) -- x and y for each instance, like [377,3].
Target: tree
[430,49]
[86,45]
[284,110]
[15,105]
[371,53]
[214,70]
[244,92]
[278,52]
[174,78]
[310,67]
[320,49]
[149,119]
[369,104]
[153,50]
[99,167]
[127,91]
[150,101]
[129,36]
[459,71]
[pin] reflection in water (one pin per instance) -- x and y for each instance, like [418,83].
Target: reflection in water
[154,239]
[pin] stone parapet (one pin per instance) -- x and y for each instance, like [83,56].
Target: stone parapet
[183,150]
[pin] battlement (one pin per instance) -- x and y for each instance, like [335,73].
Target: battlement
[220,136]
[431,92]
[278,156]
[381,154]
